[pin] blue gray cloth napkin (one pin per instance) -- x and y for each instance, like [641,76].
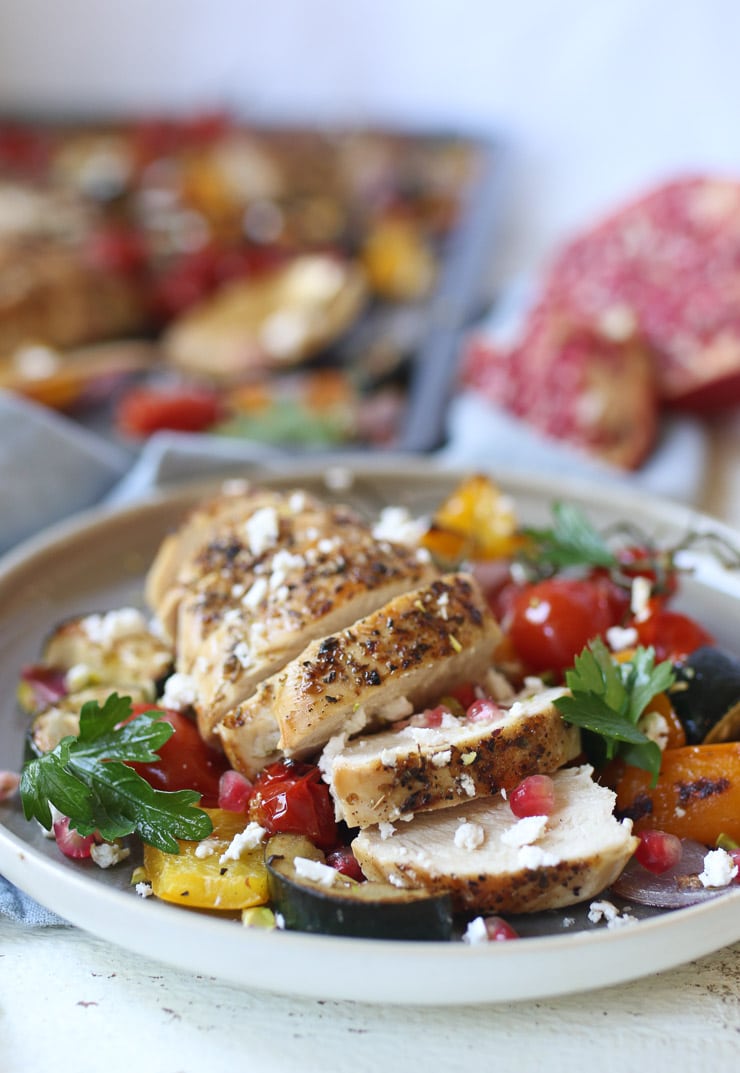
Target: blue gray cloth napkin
[50,468]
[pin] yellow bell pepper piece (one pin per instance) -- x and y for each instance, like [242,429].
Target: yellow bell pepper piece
[476,521]
[204,882]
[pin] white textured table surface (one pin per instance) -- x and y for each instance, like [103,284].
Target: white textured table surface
[71,1002]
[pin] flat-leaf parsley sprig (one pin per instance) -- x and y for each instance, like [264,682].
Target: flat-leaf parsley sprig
[87,778]
[607,698]
[571,541]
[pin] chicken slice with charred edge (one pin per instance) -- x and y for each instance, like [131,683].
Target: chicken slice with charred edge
[178,564]
[385,666]
[490,862]
[259,591]
[382,777]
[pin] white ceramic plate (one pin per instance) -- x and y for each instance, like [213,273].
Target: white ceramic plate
[98,562]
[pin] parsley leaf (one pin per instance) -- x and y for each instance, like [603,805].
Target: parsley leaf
[570,541]
[608,698]
[87,778]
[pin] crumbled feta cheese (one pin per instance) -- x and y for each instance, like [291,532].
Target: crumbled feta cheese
[144,890]
[108,853]
[524,832]
[441,759]
[654,726]
[468,758]
[386,830]
[251,837]
[618,638]
[469,836]
[719,869]
[77,677]
[179,692]
[338,478]
[262,530]
[535,857]
[282,563]
[679,812]
[316,870]
[568,922]
[327,545]
[397,525]
[466,784]
[206,848]
[640,598]
[112,626]
[388,757]
[396,880]
[476,932]
[241,653]
[297,502]
[608,912]
[256,593]
[280,922]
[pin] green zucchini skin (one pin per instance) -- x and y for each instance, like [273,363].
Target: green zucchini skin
[706,696]
[362,910]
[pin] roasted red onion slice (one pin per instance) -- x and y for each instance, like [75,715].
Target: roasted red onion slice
[679,886]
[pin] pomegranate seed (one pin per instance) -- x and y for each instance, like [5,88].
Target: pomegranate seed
[658,851]
[534,796]
[432,717]
[498,930]
[9,782]
[72,843]
[344,860]
[483,711]
[234,791]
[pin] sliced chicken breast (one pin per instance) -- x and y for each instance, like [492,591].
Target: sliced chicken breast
[393,774]
[388,664]
[493,863]
[182,557]
[257,595]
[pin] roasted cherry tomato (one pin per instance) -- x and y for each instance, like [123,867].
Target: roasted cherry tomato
[551,621]
[672,634]
[185,761]
[144,411]
[291,797]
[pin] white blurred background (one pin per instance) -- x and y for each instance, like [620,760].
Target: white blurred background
[594,101]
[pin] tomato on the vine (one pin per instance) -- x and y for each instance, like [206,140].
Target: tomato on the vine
[146,410]
[672,634]
[550,622]
[185,761]
[291,797]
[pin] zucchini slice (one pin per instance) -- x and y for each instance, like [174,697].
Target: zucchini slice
[114,648]
[309,898]
[706,696]
[54,722]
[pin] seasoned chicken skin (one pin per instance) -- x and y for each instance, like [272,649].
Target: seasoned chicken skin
[266,583]
[178,563]
[394,661]
[382,777]
[492,863]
